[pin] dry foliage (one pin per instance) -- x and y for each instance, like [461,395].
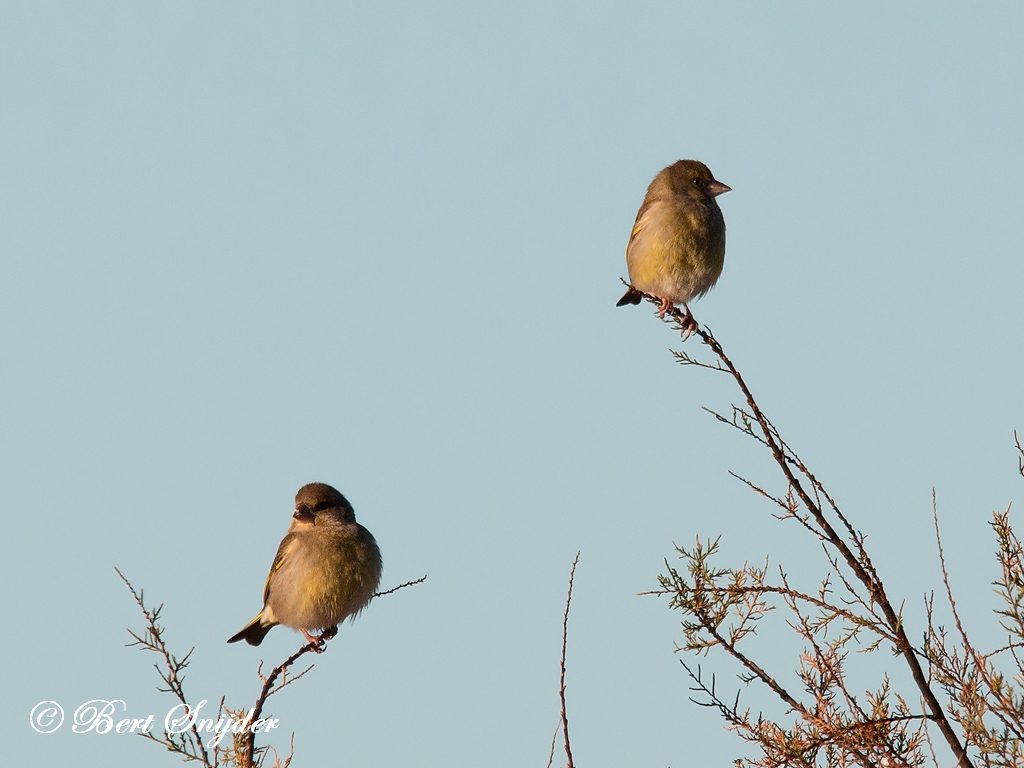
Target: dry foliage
[937,701]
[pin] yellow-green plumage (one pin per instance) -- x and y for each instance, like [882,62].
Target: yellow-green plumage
[677,247]
[327,568]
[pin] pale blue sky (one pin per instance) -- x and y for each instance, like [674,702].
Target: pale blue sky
[247,246]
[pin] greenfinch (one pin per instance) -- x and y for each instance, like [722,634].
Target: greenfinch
[677,247]
[327,568]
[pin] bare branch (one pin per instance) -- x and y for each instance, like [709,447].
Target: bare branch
[190,744]
[709,602]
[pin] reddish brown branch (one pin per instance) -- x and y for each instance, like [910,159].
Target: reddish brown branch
[249,748]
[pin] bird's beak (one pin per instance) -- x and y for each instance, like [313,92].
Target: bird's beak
[717,188]
[303,514]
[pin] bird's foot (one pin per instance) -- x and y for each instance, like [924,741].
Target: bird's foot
[689,326]
[316,642]
[687,323]
[319,642]
[664,305]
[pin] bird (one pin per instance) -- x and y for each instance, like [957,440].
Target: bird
[677,247]
[327,569]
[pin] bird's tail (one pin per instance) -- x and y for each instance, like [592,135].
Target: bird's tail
[632,296]
[253,632]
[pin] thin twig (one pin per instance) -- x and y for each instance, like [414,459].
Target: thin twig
[561,688]
[1020,450]
[391,591]
[993,686]
[554,738]
[171,675]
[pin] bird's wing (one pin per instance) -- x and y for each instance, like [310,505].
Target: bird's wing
[279,560]
[641,220]
[649,215]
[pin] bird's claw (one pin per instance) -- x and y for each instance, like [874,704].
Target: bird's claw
[688,325]
[319,642]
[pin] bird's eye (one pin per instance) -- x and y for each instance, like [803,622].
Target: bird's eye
[321,505]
